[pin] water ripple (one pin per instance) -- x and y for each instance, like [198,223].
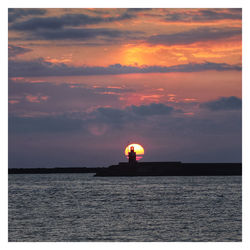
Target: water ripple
[78,207]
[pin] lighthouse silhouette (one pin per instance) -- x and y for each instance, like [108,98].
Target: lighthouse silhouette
[132,156]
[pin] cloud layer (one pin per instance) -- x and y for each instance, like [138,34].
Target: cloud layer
[202,15]
[43,68]
[15,14]
[55,23]
[16,50]
[223,103]
[195,35]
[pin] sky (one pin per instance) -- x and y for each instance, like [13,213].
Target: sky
[83,83]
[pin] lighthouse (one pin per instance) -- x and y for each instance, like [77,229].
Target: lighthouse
[132,156]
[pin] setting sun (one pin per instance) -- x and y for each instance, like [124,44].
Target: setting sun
[138,149]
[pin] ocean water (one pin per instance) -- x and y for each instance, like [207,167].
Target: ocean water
[80,207]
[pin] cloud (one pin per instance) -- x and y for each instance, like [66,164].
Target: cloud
[18,68]
[210,15]
[111,116]
[70,26]
[223,103]
[194,35]
[202,15]
[54,31]
[196,67]
[118,118]
[100,117]
[77,34]
[17,13]
[51,23]
[16,50]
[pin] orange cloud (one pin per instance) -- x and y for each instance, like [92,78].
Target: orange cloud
[228,51]
[190,99]
[151,97]
[61,59]
[36,99]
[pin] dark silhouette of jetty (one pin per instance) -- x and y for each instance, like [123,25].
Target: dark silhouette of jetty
[171,169]
[144,169]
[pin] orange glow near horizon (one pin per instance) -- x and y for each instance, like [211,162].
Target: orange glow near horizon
[218,51]
[137,148]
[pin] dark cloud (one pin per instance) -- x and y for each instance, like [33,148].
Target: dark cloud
[113,117]
[73,121]
[132,113]
[194,35]
[202,15]
[52,23]
[41,68]
[68,27]
[196,67]
[76,34]
[54,30]
[211,15]
[17,13]
[16,50]
[223,103]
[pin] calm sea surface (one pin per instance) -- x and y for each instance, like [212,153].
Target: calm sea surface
[80,207]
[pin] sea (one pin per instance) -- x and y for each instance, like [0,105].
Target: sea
[84,208]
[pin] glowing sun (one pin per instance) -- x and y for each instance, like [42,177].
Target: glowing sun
[137,148]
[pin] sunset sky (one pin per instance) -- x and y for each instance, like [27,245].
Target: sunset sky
[85,82]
